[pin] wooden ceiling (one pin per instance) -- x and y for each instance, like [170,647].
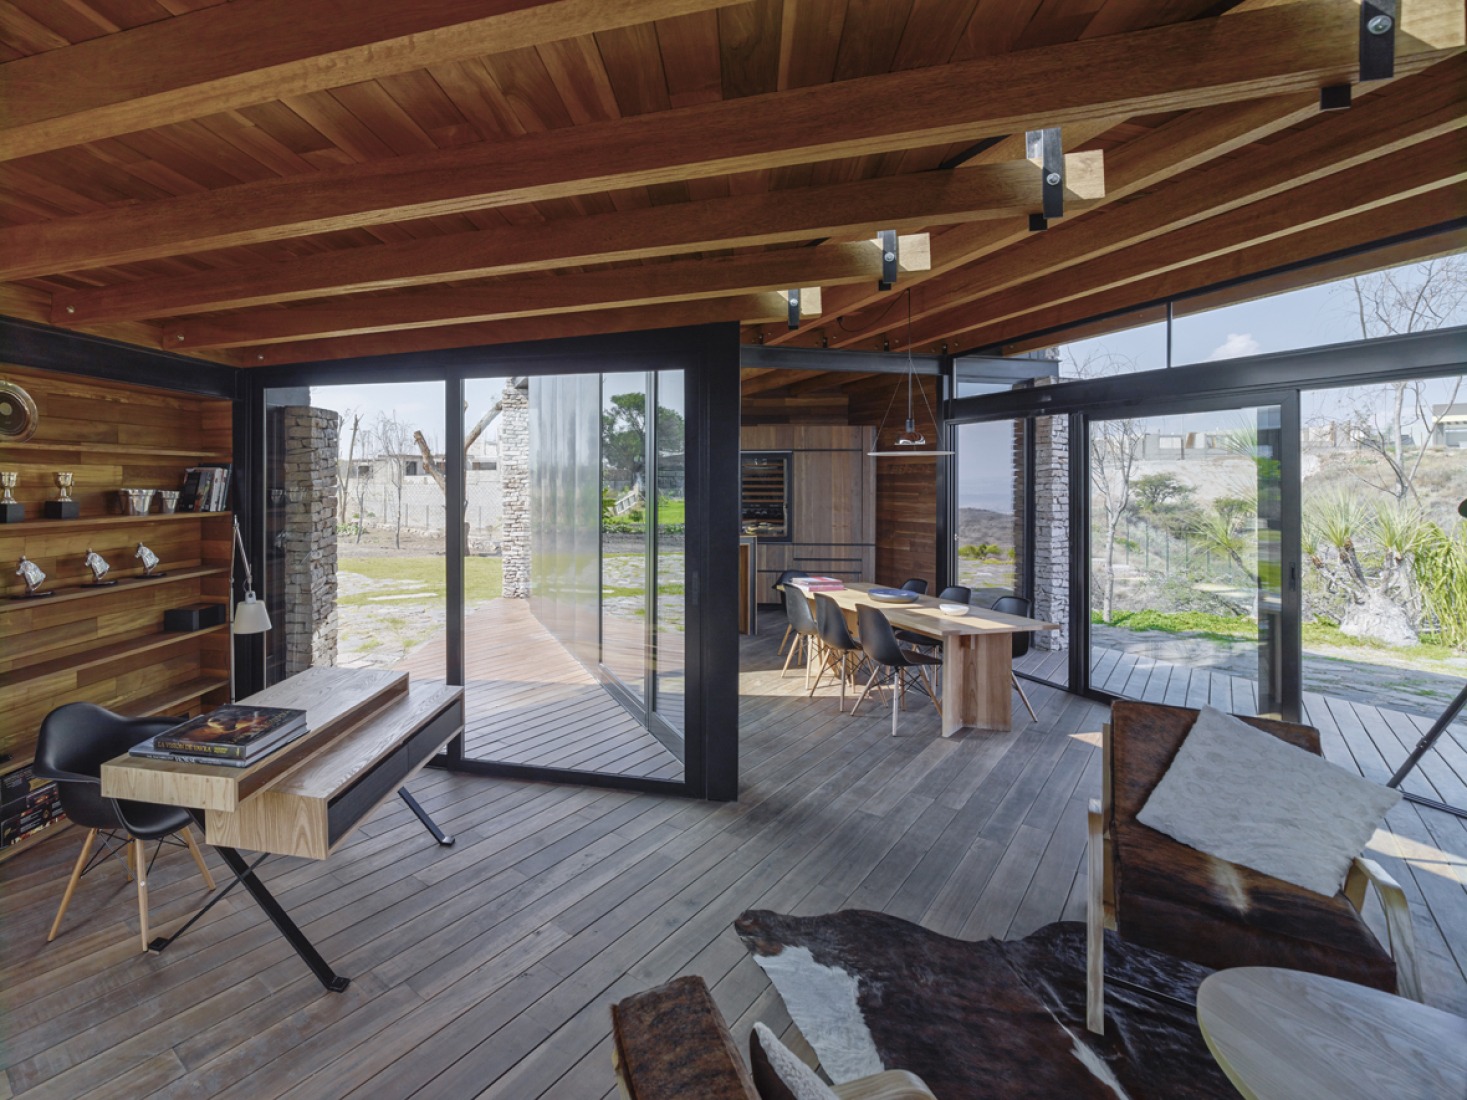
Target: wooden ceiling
[271,181]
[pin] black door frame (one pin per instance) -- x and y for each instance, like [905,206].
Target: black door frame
[708,356]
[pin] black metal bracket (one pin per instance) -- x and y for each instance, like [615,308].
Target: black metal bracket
[793,299]
[1336,97]
[1046,147]
[412,803]
[1378,21]
[889,258]
[1038,223]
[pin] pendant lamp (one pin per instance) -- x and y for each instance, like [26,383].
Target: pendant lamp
[910,443]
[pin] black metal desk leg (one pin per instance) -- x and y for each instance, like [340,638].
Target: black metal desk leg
[281,919]
[428,822]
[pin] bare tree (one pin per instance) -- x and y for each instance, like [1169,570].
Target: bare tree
[351,450]
[364,480]
[394,439]
[1415,298]
[1115,445]
[432,465]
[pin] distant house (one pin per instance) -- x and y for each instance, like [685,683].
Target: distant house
[1449,425]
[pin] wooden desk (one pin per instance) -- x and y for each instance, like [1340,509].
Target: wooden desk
[370,732]
[977,654]
[1283,1033]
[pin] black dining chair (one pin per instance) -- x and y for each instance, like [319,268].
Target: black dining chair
[784,578]
[802,623]
[915,584]
[879,642]
[1017,605]
[953,593]
[837,647]
[74,742]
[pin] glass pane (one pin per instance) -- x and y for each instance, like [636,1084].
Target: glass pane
[1124,352]
[990,492]
[1184,558]
[1411,298]
[355,529]
[625,504]
[1384,470]
[671,480]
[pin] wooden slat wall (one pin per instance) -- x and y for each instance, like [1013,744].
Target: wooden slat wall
[906,490]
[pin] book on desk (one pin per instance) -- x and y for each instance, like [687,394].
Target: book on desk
[233,735]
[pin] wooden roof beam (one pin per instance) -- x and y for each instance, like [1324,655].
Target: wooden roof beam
[994,191]
[779,379]
[1293,47]
[257,51]
[753,308]
[616,288]
[1278,236]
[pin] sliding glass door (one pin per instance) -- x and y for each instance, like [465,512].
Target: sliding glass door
[1186,557]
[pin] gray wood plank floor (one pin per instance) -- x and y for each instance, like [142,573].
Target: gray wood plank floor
[486,969]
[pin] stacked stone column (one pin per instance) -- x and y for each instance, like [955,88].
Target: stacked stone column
[514,473]
[312,439]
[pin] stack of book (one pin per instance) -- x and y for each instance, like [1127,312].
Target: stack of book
[205,489]
[234,736]
[819,584]
[27,805]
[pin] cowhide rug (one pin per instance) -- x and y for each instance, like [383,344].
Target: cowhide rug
[989,1020]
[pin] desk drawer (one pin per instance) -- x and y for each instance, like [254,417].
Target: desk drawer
[348,807]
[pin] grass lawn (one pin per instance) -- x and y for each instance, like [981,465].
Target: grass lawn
[483,578]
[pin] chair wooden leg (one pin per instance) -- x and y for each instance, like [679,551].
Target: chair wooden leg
[875,672]
[1019,688]
[793,650]
[193,850]
[140,868]
[895,695]
[789,628]
[76,873]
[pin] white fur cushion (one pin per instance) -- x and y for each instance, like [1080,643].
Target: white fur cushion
[801,1081]
[1247,797]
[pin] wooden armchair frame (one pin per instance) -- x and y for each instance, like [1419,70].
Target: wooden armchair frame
[1101,901]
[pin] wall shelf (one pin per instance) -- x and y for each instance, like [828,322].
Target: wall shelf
[124,584]
[102,654]
[175,696]
[87,523]
[128,450]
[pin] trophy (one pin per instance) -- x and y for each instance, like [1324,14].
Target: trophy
[11,510]
[149,560]
[99,567]
[31,573]
[63,507]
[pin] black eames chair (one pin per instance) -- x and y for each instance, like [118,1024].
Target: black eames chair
[74,742]
[1017,605]
[886,653]
[779,586]
[916,584]
[802,622]
[838,650]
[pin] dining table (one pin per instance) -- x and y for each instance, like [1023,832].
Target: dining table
[977,651]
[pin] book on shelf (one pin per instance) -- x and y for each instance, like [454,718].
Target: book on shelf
[233,732]
[205,489]
[148,751]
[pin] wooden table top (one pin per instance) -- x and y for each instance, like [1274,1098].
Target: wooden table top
[1284,1033]
[925,616]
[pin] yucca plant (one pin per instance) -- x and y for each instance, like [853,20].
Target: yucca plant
[1440,572]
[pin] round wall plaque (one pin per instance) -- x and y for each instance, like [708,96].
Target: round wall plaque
[18,417]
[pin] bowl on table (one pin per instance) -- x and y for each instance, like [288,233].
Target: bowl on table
[956,610]
[892,595]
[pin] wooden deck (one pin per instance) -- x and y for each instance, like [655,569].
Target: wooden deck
[529,701]
[486,969]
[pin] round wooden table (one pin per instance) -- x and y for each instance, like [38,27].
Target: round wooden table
[1283,1034]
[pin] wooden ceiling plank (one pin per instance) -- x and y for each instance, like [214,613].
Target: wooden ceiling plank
[1296,47]
[679,280]
[1376,133]
[1410,215]
[778,379]
[242,54]
[749,309]
[1008,191]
